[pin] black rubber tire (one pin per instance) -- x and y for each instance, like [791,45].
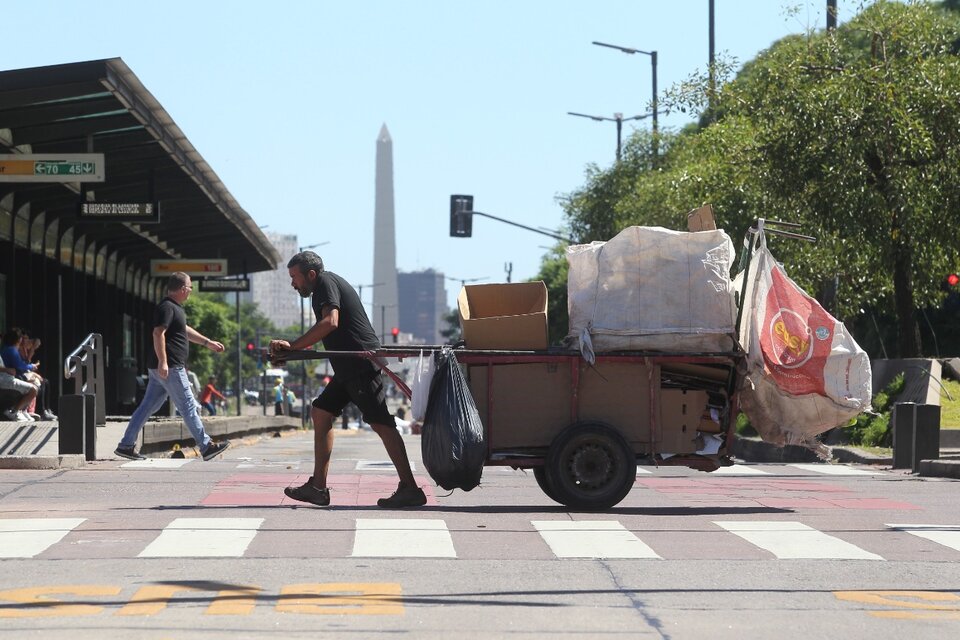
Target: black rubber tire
[540,474]
[590,466]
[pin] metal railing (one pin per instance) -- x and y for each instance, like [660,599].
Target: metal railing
[84,366]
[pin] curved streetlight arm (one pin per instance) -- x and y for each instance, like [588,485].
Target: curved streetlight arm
[629,50]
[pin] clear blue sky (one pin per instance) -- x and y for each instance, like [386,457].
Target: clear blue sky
[285,101]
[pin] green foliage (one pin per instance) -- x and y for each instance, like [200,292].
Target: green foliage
[950,404]
[873,429]
[743,428]
[852,133]
[451,329]
[212,316]
[553,272]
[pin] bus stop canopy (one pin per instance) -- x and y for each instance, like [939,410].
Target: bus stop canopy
[102,107]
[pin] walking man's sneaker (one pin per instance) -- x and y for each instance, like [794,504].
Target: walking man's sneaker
[49,415]
[214,449]
[404,497]
[128,452]
[309,493]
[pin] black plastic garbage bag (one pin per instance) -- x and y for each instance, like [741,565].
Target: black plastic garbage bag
[451,442]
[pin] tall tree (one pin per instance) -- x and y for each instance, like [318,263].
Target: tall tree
[855,133]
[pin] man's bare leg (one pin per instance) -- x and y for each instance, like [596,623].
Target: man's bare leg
[397,451]
[322,445]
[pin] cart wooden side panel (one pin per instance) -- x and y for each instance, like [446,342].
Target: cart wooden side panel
[525,404]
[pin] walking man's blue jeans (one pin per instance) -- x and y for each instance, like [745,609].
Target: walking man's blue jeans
[177,388]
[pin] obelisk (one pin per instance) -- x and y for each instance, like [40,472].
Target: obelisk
[384,313]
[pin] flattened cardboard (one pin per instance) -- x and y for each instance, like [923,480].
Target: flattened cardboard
[680,414]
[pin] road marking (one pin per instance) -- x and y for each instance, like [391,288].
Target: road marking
[37,603]
[835,469]
[381,599]
[154,598]
[380,465]
[156,463]
[945,534]
[410,538]
[794,540]
[919,605]
[203,538]
[641,471]
[740,470]
[28,537]
[591,539]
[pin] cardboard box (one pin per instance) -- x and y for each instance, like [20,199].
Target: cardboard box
[701,219]
[504,316]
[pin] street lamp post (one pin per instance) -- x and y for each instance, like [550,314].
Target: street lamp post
[303,364]
[653,64]
[618,118]
[463,281]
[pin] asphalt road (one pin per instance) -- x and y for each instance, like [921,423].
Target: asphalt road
[153,550]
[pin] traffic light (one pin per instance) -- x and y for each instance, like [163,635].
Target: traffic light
[395,332]
[461,216]
[253,351]
[953,279]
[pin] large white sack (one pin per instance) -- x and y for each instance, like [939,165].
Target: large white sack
[805,373]
[651,288]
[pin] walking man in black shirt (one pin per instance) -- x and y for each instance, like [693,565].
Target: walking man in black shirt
[166,367]
[342,325]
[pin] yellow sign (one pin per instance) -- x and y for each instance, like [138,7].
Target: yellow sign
[49,167]
[193,268]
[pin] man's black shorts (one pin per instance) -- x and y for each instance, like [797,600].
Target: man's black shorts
[365,391]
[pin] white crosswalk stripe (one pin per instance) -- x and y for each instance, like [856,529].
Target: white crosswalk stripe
[836,469]
[28,537]
[591,539]
[203,538]
[945,534]
[156,463]
[403,538]
[740,470]
[789,539]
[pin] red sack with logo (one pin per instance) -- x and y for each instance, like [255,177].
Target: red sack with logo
[805,373]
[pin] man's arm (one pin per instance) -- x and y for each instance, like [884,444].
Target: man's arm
[160,347]
[196,337]
[326,325]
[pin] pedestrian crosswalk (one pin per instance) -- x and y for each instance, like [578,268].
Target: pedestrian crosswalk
[203,538]
[562,539]
[387,466]
[795,540]
[28,537]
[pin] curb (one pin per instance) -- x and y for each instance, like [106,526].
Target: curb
[68,461]
[939,468]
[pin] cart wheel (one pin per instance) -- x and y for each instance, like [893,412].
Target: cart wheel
[540,474]
[590,466]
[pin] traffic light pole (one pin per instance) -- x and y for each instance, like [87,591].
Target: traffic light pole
[523,226]
[239,387]
[461,219]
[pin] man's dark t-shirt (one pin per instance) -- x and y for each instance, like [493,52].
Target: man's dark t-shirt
[354,331]
[171,316]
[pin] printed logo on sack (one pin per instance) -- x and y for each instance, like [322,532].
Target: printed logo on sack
[790,338]
[793,352]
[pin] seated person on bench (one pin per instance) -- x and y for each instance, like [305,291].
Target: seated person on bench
[26,392]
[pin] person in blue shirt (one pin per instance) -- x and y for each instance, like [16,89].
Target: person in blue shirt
[10,350]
